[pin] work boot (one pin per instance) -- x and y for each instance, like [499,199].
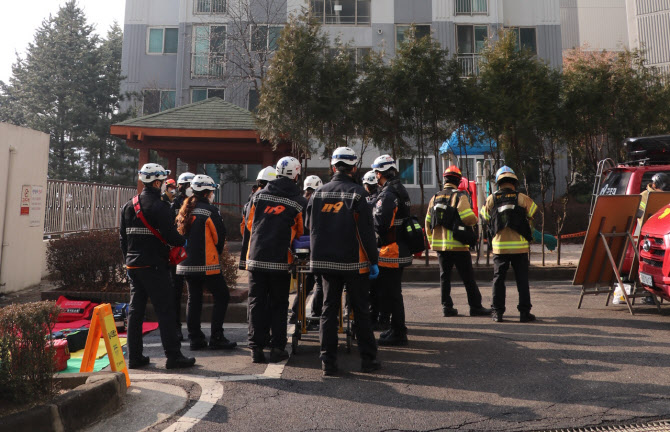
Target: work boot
[393,339]
[218,341]
[449,311]
[385,334]
[329,368]
[384,324]
[526,317]
[198,343]
[496,316]
[178,361]
[139,363]
[370,365]
[277,355]
[293,319]
[257,355]
[480,311]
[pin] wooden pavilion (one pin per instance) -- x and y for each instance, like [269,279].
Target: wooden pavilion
[210,131]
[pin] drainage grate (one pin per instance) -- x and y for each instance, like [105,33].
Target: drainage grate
[657,426]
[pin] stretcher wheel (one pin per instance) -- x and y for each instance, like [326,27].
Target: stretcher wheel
[294,344]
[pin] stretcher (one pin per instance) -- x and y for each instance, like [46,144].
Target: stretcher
[299,271]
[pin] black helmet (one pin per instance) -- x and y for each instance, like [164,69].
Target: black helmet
[661,181]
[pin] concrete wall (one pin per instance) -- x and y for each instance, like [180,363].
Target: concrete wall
[22,255]
[601,24]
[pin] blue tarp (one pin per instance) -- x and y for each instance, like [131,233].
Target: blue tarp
[482,143]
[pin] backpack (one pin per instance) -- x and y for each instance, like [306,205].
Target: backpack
[446,215]
[413,235]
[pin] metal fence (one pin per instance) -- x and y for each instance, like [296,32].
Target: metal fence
[75,207]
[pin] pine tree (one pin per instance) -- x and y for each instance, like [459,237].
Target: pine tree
[54,84]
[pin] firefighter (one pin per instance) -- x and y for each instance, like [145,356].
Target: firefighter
[660,182]
[449,228]
[311,184]
[264,176]
[200,222]
[390,212]
[170,191]
[274,221]
[510,215]
[343,250]
[380,320]
[146,260]
[183,191]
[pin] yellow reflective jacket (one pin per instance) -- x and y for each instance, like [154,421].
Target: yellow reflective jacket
[442,239]
[508,241]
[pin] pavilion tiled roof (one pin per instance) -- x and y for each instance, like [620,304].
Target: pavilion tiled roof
[210,114]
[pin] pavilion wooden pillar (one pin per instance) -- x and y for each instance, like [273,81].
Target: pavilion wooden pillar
[172,166]
[144,159]
[268,159]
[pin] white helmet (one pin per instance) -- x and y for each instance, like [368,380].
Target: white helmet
[203,182]
[383,163]
[370,178]
[288,167]
[345,155]
[185,178]
[151,172]
[312,182]
[267,174]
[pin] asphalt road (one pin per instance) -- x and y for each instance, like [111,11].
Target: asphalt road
[572,368]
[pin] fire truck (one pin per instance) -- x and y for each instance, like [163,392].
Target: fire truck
[654,237]
[646,156]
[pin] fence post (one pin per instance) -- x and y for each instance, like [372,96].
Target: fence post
[117,223]
[91,227]
[63,209]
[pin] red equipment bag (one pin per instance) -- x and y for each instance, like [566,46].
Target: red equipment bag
[177,253]
[73,310]
[62,354]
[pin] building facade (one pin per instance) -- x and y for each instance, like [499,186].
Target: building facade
[594,25]
[649,30]
[180,51]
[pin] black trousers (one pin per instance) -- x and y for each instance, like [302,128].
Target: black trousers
[520,264]
[377,310]
[463,262]
[151,283]
[390,281]
[312,281]
[268,308]
[216,285]
[357,292]
[178,284]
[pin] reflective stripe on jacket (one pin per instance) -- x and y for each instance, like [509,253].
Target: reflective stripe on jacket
[206,239]
[342,237]
[274,220]
[442,239]
[390,211]
[508,241]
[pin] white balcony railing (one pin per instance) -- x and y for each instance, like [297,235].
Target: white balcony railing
[208,65]
[470,64]
[471,7]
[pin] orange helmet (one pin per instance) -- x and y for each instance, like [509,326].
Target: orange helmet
[453,173]
[170,182]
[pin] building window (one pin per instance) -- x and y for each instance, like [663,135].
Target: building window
[158,100]
[357,55]
[471,7]
[471,41]
[209,51]
[252,172]
[409,171]
[210,6]
[265,38]
[163,41]
[200,94]
[526,38]
[341,12]
[254,100]
[422,30]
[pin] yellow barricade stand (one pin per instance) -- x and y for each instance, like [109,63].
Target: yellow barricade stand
[102,325]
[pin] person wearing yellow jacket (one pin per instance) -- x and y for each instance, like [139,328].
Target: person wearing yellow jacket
[510,215]
[450,215]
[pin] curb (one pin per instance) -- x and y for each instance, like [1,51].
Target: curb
[431,273]
[93,396]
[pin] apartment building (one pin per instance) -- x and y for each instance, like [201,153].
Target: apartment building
[180,51]
[594,25]
[649,29]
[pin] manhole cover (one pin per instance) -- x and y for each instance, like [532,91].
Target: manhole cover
[657,426]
